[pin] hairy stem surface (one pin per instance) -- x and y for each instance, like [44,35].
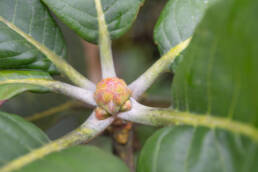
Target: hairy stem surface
[160,117]
[90,129]
[107,64]
[140,85]
[59,87]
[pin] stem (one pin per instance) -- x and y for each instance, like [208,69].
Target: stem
[126,152]
[107,64]
[85,96]
[78,93]
[141,84]
[160,117]
[87,131]
[61,64]
[52,111]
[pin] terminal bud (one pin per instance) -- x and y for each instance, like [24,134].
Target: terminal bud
[112,96]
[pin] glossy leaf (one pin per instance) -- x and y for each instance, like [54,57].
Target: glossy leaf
[9,90]
[199,149]
[18,137]
[178,21]
[81,15]
[217,77]
[78,158]
[33,18]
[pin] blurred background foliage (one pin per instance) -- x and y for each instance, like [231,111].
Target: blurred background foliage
[133,54]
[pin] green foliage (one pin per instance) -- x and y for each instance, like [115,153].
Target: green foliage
[9,90]
[197,149]
[18,137]
[178,21]
[216,77]
[81,16]
[32,17]
[78,158]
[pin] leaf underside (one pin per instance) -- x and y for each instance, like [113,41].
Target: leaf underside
[33,18]
[81,16]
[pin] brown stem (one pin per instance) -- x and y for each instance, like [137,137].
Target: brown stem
[123,141]
[125,151]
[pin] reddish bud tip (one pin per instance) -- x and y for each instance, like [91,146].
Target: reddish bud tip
[127,106]
[101,114]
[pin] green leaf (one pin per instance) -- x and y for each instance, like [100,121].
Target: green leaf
[217,77]
[18,137]
[178,21]
[78,158]
[9,90]
[81,16]
[197,149]
[33,18]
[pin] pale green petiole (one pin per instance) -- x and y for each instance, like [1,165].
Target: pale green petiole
[141,84]
[77,93]
[61,64]
[107,64]
[163,117]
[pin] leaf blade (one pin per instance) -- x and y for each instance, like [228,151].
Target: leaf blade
[178,21]
[197,149]
[217,77]
[34,19]
[81,16]
[18,137]
[9,90]
[80,158]
[227,54]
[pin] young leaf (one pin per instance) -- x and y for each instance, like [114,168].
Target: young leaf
[81,16]
[78,158]
[178,21]
[18,137]
[9,90]
[198,149]
[34,19]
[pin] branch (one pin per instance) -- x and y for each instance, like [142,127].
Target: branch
[61,64]
[77,93]
[160,117]
[141,84]
[125,151]
[107,64]
[87,131]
